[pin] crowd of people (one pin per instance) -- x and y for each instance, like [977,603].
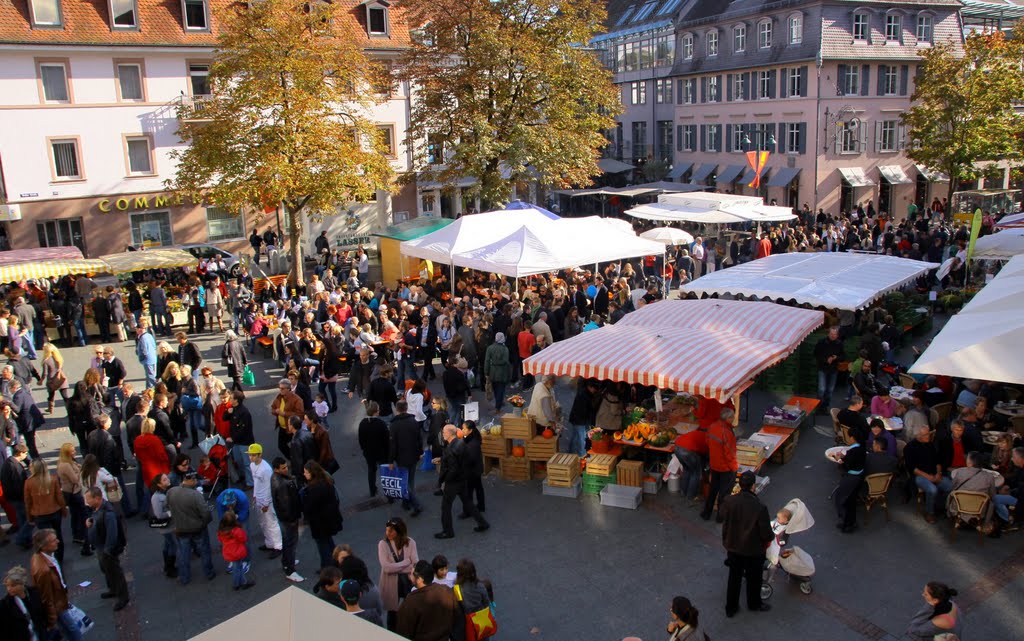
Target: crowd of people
[383,345]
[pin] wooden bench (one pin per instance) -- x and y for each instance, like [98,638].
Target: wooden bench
[266,343]
[261,284]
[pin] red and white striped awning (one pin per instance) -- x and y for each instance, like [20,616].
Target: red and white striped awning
[711,348]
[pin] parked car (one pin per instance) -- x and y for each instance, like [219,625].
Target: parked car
[201,250]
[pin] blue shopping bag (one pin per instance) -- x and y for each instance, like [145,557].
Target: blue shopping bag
[394,483]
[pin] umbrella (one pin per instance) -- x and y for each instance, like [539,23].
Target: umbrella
[519,204]
[668,236]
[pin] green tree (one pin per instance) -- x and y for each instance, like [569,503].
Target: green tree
[505,92]
[964,109]
[288,122]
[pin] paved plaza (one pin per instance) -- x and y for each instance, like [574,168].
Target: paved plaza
[572,570]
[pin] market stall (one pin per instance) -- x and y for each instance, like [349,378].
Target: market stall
[50,268]
[39,254]
[136,261]
[703,207]
[984,339]
[1001,245]
[834,280]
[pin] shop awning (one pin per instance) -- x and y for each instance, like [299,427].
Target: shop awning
[703,171]
[679,170]
[748,175]
[834,280]
[149,259]
[729,174]
[855,177]
[708,347]
[51,269]
[894,175]
[612,166]
[783,176]
[1001,245]
[933,176]
[39,254]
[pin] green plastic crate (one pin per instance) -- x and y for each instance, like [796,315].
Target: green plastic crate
[594,483]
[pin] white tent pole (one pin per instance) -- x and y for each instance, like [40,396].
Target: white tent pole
[664,264]
[452,279]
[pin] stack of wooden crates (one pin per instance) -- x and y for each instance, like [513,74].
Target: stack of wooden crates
[563,476]
[600,472]
[497,450]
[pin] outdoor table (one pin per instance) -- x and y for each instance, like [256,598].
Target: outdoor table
[1012,410]
[894,424]
[901,394]
[833,453]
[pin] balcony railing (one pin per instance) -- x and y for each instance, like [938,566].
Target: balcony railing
[195,109]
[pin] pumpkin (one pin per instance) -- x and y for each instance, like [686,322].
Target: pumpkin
[518,451]
[548,433]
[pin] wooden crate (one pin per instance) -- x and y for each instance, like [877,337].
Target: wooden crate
[515,468]
[541,449]
[630,473]
[518,427]
[495,446]
[784,454]
[538,470]
[491,463]
[601,464]
[563,470]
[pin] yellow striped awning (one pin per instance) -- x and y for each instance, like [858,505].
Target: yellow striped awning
[148,259]
[50,269]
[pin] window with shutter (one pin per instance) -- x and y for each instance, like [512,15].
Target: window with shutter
[865,81]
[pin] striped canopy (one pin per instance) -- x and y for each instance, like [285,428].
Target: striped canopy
[711,348]
[38,254]
[148,259]
[51,269]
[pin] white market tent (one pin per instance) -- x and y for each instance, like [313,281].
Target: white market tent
[704,207]
[839,280]
[149,259]
[1000,245]
[525,242]
[1012,220]
[713,348]
[668,235]
[985,340]
[295,615]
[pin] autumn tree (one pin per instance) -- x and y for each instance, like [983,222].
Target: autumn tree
[505,92]
[288,122]
[964,105]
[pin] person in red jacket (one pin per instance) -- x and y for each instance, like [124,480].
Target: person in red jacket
[151,453]
[235,549]
[692,452]
[722,455]
[764,247]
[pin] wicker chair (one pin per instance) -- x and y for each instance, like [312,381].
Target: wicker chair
[907,381]
[845,432]
[943,410]
[836,429]
[878,490]
[970,510]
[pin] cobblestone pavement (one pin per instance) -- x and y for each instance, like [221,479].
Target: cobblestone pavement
[572,570]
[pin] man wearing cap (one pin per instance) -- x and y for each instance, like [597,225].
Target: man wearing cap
[498,369]
[746,533]
[263,499]
[349,590]
[189,519]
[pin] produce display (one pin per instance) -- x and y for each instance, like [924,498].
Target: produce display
[782,414]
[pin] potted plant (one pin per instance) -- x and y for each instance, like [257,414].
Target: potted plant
[517,402]
[600,443]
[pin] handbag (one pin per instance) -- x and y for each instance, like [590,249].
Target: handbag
[58,381]
[191,402]
[248,377]
[114,493]
[332,466]
[404,582]
[80,619]
[480,624]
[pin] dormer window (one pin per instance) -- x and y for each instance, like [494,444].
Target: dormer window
[687,47]
[712,42]
[195,15]
[377,18]
[860,27]
[764,34]
[124,15]
[45,13]
[893,27]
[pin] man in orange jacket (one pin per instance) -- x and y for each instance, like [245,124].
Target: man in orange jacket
[722,455]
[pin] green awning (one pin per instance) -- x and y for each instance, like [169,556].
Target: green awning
[413,229]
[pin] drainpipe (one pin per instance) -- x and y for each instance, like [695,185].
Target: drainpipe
[817,120]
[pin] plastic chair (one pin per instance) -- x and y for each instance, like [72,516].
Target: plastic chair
[878,490]
[970,510]
[907,381]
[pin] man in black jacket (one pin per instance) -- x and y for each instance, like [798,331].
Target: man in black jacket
[746,533]
[375,445]
[163,422]
[288,507]
[454,464]
[114,370]
[406,450]
[102,445]
[28,417]
[828,352]
[241,434]
[301,449]
[582,416]
[600,297]
[456,390]
[188,354]
[12,480]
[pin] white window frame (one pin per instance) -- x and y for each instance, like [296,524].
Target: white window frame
[663,91]
[791,136]
[714,91]
[764,34]
[925,20]
[712,137]
[861,18]
[135,16]
[793,82]
[148,139]
[36,24]
[638,92]
[851,86]
[888,129]
[687,46]
[688,97]
[739,38]
[687,142]
[77,142]
[893,27]
[206,16]
[737,139]
[376,6]
[796,28]
[65,64]
[712,43]
[739,87]
[764,85]
[239,216]
[850,141]
[891,80]
[139,64]
[192,69]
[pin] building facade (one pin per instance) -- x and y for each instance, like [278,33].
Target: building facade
[89,101]
[819,84]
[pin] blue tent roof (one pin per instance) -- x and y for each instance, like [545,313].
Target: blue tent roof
[518,204]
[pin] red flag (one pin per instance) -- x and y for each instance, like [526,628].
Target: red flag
[757,161]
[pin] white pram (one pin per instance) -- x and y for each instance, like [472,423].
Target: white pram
[795,562]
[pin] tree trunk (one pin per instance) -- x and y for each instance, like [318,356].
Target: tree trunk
[295,246]
[949,197]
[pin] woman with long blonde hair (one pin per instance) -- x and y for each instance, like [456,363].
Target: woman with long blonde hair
[44,502]
[53,371]
[69,473]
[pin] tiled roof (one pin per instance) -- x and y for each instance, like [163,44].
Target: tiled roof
[625,12]
[87,22]
[837,40]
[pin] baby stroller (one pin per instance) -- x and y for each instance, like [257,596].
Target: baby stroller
[215,480]
[795,562]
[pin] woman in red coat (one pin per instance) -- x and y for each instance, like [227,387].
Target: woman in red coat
[151,453]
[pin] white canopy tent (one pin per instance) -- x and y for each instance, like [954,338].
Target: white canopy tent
[668,236]
[1001,245]
[523,243]
[985,339]
[839,280]
[1011,220]
[704,207]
